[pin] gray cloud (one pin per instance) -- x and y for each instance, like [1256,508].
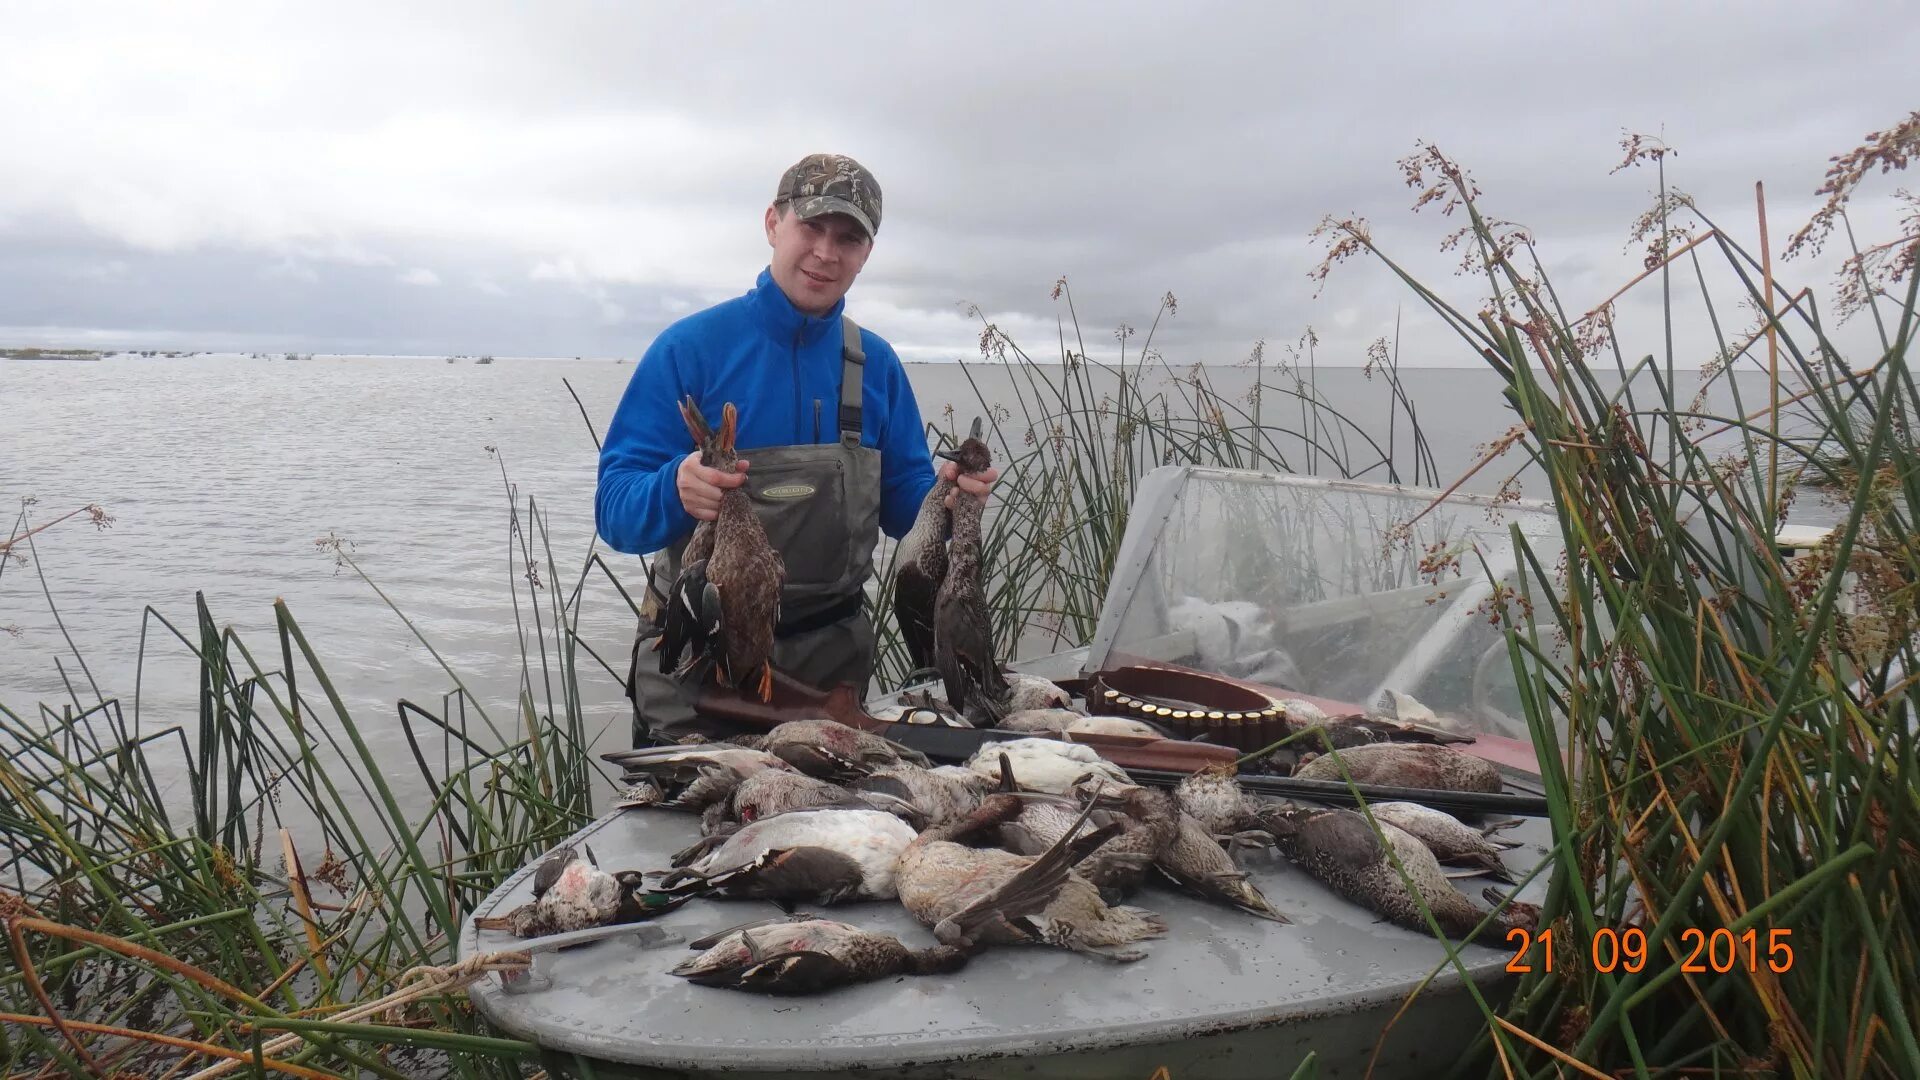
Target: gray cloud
[567,181]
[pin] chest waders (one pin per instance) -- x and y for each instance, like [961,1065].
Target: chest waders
[820,505]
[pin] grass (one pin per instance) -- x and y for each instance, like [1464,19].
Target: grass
[168,925]
[1728,746]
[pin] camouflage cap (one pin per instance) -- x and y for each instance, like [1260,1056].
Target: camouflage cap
[832,184]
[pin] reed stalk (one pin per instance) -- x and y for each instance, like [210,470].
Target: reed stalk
[1725,732]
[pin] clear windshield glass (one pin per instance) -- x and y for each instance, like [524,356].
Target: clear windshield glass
[1327,589]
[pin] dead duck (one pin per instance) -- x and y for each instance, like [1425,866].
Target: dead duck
[980,896]
[744,574]
[938,796]
[1341,849]
[1148,819]
[1413,765]
[921,708]
[1215,801]
[808,956]
[1317,730]
[689,777]
[1046,765]
[1113,725]
[771,792]
[923,563]
[831,750]
[1452,841]
[1196,862]
[963,649]
[1033,692]
[1049,721]
[571,893]
[685,622]
[819,856]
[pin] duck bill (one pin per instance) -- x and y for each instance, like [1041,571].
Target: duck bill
[947,455]
[729,427]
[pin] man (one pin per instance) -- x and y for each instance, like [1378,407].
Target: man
[832,445]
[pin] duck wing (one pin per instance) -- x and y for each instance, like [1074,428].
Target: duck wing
[711,654]
[683,623]
[1028,892]
[699,545]
[963,654]
[547,874]
[914,596]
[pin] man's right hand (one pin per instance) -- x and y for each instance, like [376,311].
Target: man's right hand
[700,487]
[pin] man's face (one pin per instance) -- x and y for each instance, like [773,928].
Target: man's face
[815,261]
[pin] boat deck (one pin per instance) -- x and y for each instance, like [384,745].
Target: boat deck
[1201,998]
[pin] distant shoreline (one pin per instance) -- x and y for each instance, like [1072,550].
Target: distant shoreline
[52,354]
[75,354]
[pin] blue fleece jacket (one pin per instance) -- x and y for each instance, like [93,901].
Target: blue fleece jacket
[773,362]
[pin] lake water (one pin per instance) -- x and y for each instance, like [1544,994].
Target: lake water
[222,471]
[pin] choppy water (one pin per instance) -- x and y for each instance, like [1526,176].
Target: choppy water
[221,472]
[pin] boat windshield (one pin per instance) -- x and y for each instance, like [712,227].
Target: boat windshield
[1330,589]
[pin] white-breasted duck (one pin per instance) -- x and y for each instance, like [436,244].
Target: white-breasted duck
[1050,721]
[822,856]
[1113,725]
[1047,765]
[771,792]
[1026,692]
[1452,841]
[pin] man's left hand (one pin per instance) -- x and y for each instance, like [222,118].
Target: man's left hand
[979,484]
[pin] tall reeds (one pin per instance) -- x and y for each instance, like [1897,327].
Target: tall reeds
[1084,428]
[1727,734]
[289,911]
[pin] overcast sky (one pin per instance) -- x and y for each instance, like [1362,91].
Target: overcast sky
[566,178]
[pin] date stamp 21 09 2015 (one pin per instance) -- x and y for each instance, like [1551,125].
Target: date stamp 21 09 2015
[1720,951]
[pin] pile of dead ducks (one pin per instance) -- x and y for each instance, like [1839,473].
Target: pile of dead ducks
[1032,842]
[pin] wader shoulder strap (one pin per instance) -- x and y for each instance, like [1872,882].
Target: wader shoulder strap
[853,366]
